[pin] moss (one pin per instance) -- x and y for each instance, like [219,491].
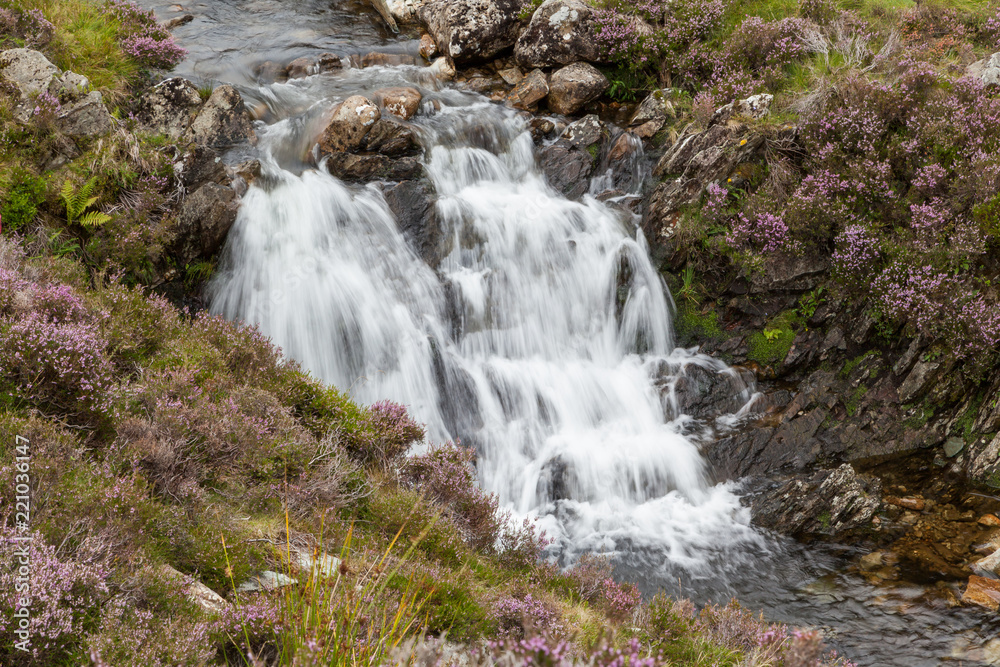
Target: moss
[771,345]
[854,401]
[23,192]
[849,367]
[695,326]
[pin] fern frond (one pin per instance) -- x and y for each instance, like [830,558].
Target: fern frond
[94,219]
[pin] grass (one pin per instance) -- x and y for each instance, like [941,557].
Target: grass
[86,42]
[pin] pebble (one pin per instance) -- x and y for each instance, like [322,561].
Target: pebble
[989,520]
[917,504]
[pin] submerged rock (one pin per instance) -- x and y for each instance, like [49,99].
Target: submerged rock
[412,205]
[400,101]
[348,125]
[472,30]
[982,592]
[560,32]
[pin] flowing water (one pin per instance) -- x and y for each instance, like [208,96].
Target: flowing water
[542,339]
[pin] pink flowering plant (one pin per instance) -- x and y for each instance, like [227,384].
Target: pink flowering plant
[142,37]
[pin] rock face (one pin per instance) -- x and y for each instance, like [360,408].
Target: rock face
[560,33]
[223,120]
[575,85]
[79,111]
[471,30]
[402,102]
[986,70]
[831,502]
[204,219]
[348,125]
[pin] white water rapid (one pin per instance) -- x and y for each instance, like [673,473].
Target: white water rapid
[543,339]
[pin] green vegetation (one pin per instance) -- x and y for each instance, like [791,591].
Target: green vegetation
[771,345]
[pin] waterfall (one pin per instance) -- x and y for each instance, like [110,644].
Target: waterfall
[541,338]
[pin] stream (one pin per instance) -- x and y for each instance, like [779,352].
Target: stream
[520,342]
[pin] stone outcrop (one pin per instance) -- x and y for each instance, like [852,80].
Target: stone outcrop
[77,110]
[223,120]
[573,86]
[560,32]
[174,108]
[204,218]
[472,30]
[169,108]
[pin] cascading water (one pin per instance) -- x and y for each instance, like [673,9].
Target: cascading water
[542,338]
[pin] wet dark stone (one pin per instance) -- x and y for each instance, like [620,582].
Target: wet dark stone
[412,204]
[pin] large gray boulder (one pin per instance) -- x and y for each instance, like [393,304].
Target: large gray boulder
[204,219]
[85,117]
[29,70]
[560,33]
[472,30]
[574,86]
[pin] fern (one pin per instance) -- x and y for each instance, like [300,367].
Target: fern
[78,201]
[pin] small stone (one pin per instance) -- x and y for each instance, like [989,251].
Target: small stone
[531,90]
[328,62]
[989,520]
[301,68]
[916,504]
[387,59]
[871,562]
[952,446]
[511,76]
[428,48]
[443,68]
[983,592]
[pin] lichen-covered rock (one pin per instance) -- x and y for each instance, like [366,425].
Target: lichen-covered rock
[652,114]
[349,123]
[472,30]
[223,120]
[829,503]
[29,70]
[403,102]
[986,70]
[405,11]
[560,32]
[575,85]
[169,108]
[531,90]
[428,47]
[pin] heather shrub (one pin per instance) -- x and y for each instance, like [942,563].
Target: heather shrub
[520,617]
[383,434]
[28,28]
[142,37]
[65,595]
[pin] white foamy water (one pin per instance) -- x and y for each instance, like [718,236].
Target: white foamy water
[541,339]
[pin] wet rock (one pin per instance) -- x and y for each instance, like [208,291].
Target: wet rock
[390,137]
[200,164]
[204,219]
[443,68]
[990,520]
[652,114]
[328,62]
[953,446]
[349,123]
[916,504]
[405,11]
[982,592]
[986,70]
[560,32]
[401,102]
[177,21]
[703,393]
[531,90]
[472,30]
[567,168]
[484,84]
[587,132]
[412,204]
[574,86]
[830,503]
[223,120]
[428,48]
[377,58]
[301,68]
[86,117]
[988,567]
[269,71]
[266,581]
[370,167]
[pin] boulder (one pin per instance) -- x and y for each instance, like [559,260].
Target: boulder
[199,165]
[390,137]
[348,125]
[472,30]
[204,219]
[529,91]
[405,11]
[428,47]
[29,70]
[560,32]
[575,85]
[570,160]
[86,117]
[367,167]
[194,590]
[443,68]
[829,503]
[223,120]
[986,70]
[402,102]
[169,108]
[266,581]
[412,204]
